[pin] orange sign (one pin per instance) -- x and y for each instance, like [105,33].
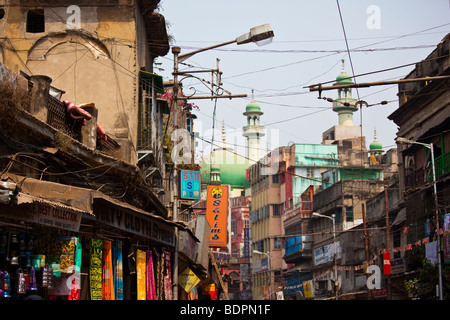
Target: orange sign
[216,214]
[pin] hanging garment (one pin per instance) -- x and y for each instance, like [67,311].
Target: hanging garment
[118,270]
[159,275]
[150,277]
[167,277]
[75,290]
[140,272]
[107,278]
[95,272]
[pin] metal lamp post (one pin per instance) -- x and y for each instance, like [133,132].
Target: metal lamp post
[438,246]
[260,35]
[270,272]
[332,218]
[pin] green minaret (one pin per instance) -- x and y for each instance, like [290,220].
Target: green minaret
[344,105]
[253,131]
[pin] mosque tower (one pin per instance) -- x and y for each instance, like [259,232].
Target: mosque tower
[344,105]
[375,150]
[253,131]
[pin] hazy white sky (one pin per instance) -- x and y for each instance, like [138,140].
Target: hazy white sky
[307,48]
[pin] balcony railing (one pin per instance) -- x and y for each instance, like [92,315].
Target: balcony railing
[296,244]
[303,208]
[442,164]
[418,177]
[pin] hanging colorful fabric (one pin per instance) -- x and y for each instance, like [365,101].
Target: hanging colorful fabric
[95,272]
[159,275]
[150,277]
[140,273]
[118,270]
[107,278]
[167,277]
[75,290]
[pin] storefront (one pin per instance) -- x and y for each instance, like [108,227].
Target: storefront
[60,242]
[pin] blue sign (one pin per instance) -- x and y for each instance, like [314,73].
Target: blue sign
[190,184]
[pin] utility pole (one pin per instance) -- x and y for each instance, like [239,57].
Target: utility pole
[366,245]
[388,247]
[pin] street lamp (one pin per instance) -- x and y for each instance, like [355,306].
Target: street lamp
[268,265]
[332,218]
[433,167]
[260,35]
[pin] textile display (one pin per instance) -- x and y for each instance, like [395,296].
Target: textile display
[118,270]
[95,271]
[159,275]
[150,277]
[75,289]
[60,251]
[167,277]
[107,276]
[140,272]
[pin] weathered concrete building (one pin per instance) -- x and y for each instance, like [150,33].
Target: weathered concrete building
[423,118]
[97,52]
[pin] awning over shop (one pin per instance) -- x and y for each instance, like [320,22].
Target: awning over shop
[47,213]
[69,201]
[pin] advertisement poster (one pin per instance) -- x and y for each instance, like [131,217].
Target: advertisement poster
[217,214]
[308,289]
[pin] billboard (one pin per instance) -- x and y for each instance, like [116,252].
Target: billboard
[217,214]
[190,184]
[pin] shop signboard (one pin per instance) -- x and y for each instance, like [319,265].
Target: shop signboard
[397,266]
[187,245]
[136,223]
[217,214]
[188,280]
[246,242]
[308,289]
[57,217]
[50,214]
[190,184]
[326,253]
[266,292]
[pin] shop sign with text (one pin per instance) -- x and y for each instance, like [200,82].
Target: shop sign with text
[217,214]
[136,223]
[190,184]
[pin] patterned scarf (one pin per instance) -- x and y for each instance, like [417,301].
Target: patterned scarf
[107,283]
[150,274]
[159,275]
[168,278]
[118,270]
[95,271]
[140,270]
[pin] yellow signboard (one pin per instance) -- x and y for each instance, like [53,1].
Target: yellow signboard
[188,280]
[308,289]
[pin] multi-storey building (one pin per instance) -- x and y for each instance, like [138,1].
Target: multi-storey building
[423,118]
[267,204]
